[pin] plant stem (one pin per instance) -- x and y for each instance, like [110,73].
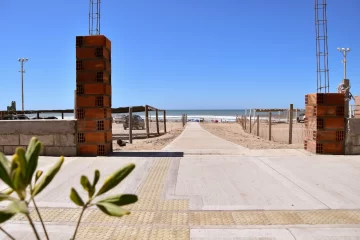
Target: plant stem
[78,223]
[42,223]
[7,234]
[33,226]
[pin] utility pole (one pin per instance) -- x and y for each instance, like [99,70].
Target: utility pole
[22,61]
[344,87]
[344,52]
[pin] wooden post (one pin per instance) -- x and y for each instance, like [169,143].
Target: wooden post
[291,123]
[245,118]
[62,115]
[130,125]
[257,125]
[38,115]
[157,122]
[250,123]
[269,126]
[147,121]
[164,121]
[288,116]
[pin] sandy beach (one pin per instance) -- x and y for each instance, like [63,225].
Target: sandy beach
[141,142]
[233,132]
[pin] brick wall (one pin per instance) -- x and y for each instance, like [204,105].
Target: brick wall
[57,136]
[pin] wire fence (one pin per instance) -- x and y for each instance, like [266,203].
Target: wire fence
[281,126]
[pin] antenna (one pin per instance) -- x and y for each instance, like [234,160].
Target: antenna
[322,70]
[94,17]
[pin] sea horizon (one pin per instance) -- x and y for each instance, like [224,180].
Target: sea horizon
[227,115]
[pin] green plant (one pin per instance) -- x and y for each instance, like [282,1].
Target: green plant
[25,182]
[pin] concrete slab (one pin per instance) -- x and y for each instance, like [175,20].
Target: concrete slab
[43,164]
[196,139]
[57,193]
[332,180]
[277,234]
[325,233]
[240,183]
[241,234]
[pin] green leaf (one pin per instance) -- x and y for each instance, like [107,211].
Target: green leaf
[86,185]
[120,200]
[112,210]
[38,175]
[5,215]
[114,179]
[17,177]
[96,177]
[32,156]
[74,196]
[8,191]
[47,177]
[95,181]
[20,152]
[5,170]
[18,207]
[4,196]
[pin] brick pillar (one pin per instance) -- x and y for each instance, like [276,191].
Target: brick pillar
[325,123]
[93,95]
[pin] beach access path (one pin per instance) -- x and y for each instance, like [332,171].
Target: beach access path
[203,187]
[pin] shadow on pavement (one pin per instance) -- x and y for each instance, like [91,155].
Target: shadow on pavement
[146,154]
[135,136]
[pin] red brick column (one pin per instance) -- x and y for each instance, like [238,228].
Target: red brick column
[325,123]
[93,95]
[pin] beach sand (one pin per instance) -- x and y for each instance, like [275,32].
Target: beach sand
[233,132]
[140,142]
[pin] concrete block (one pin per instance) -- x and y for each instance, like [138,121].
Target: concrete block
[37,127]
[60,151]
[355,140]
[354,126]
[47,140]
[355,150]
[9,139]
[10,150]
[64,140]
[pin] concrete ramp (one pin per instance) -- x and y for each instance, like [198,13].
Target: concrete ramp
[195,140]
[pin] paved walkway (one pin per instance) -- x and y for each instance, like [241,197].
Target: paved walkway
[217,190]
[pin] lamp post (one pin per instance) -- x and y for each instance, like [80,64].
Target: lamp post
[22,61]
[344,52]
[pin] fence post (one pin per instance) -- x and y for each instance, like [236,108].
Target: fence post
[250,123]
[245,121]
[157,122]
[269,126]
[257,125]
[147,121]
[130,125]
[164,121]
[291,123]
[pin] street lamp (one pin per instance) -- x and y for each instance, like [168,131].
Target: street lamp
[22,61]
[344,52]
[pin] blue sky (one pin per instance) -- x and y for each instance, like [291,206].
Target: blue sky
[178,54]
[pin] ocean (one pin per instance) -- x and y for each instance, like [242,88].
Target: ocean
[175,115]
